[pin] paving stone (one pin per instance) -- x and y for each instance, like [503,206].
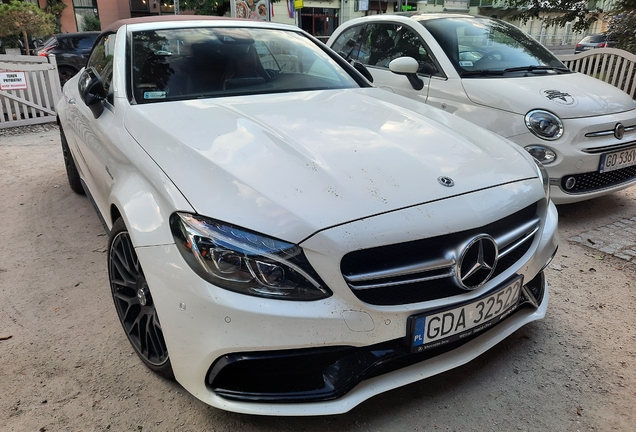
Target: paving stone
[617,239]
[609,250]
[622,256]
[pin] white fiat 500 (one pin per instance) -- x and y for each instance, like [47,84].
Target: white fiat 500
[285,238]
[496,76]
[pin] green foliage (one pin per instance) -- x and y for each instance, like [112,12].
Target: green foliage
[11,41]
[92,23]
[55,8]
[26,19]
[581,13]
[623,30]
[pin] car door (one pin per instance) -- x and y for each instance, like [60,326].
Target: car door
[95,135]
[380,43]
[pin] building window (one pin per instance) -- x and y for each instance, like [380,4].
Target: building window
[82,9]
[319,21]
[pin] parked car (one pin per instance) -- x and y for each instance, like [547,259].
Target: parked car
[284,238]
[496,76]
[71,51]
[598,40]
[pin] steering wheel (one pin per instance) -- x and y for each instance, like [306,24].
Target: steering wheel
[493,55]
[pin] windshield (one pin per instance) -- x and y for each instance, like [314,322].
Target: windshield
[190,63]
[485,47]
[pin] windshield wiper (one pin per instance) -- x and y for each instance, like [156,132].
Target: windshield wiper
[536,68]
[482,72]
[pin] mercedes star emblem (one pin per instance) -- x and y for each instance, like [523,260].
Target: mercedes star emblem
[446,181]
[477,262]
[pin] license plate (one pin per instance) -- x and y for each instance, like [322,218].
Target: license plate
[441,328]
[617,160]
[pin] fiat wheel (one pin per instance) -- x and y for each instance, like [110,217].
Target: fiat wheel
[134,303]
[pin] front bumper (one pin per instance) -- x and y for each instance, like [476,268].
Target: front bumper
[327,373]
[248,354]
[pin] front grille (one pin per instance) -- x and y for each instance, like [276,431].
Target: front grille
[592,181]
[424,270]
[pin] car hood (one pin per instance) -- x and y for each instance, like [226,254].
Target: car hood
[567,95]
[291,164]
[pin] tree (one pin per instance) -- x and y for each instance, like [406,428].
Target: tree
[55,8]
[581,13]
[623,25]
[92,23]
[25,18]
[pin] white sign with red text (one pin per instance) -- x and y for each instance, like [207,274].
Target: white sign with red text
[15,80]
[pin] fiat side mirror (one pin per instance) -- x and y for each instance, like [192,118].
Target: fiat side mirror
[408,67]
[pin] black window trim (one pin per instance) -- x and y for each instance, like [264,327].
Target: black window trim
[442,75]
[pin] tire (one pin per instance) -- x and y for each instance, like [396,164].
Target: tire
[134,304]
[65,74]
[71,170]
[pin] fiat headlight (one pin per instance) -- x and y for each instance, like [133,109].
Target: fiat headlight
[544,124]
[245,262]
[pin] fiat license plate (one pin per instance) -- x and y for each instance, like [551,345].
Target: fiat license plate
[440,328]
[617,160]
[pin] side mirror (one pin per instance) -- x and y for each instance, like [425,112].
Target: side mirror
[362,69]
[407,66]
[92,91]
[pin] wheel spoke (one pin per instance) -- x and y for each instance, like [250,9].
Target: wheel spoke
[125,277]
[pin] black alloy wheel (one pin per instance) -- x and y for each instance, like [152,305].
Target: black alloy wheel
[134,304]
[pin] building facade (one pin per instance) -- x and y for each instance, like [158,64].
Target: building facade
[321,17]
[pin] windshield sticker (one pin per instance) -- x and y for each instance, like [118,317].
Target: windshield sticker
[155,95]
[466,63]
[560,97]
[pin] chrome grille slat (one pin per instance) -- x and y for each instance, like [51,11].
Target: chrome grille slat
[402,271]
[610,148]
[504,240]
[628,129]
[515,245]
[451,272]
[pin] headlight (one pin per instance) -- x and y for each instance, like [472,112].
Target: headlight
[544,124]
[545,178]
[245,262]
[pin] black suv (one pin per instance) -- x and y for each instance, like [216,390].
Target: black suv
[71,51]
